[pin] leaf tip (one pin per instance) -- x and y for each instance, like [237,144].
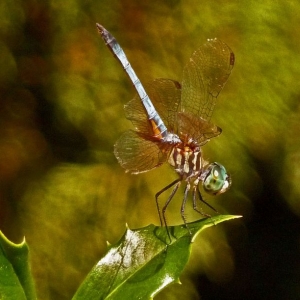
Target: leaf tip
[23,242]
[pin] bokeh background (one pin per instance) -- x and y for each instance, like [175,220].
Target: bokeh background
[61,111]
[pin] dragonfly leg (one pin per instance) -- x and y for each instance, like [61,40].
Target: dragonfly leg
[200,211]
[162,216]
[159,193]
[186,191]
[202,200]
[166,205]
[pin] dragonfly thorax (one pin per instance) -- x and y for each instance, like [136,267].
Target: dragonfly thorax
[186,160]
[171,138]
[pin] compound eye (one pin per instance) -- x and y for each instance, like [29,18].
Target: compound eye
[217,180]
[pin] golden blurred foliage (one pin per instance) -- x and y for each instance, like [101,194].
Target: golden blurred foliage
[61,111]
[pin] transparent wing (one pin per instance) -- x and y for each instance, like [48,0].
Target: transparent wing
[137,154]
[201,130]
[204,77]
[139,151]
[165,95]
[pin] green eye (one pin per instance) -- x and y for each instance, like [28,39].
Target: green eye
[217,180]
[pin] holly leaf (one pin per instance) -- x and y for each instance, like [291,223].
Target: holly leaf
[143,262]
[16,281]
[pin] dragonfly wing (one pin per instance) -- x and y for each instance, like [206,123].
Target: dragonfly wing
[137,154]
[165,95]
[204,77]
[136,113]
[201,130]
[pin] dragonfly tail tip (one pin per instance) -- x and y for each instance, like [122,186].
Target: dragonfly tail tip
[100,28]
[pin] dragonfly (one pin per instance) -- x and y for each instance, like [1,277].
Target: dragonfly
[172,123]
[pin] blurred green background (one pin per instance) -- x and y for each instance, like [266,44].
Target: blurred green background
[61,111]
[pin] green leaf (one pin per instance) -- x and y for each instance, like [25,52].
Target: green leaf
[143,262]
[15,278]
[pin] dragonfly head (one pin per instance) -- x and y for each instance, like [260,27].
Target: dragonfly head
[216,180]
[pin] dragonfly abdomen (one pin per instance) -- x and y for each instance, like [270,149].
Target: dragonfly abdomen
[159,128]
[186,162]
